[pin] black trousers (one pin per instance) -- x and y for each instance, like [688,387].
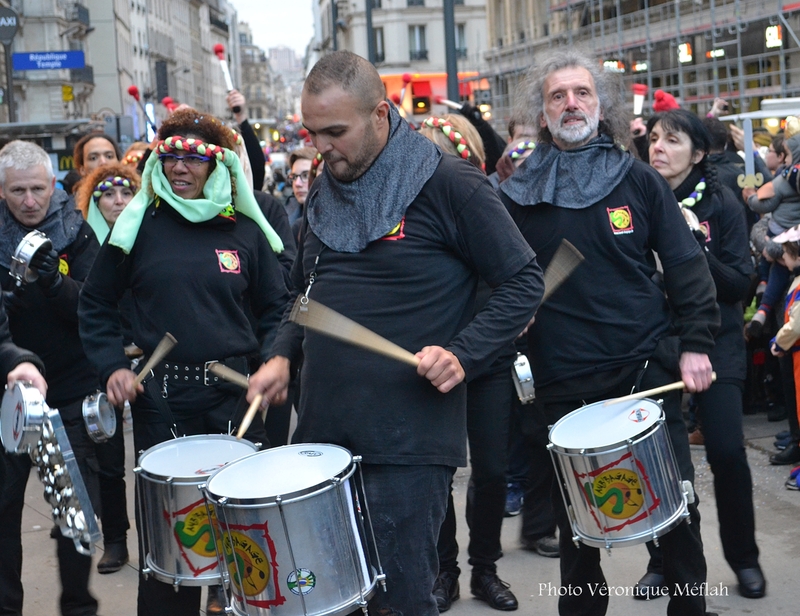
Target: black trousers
[538,515]
[682,547]
[74,568]
[489,400]
[111,456]
[150,428]
[720,414]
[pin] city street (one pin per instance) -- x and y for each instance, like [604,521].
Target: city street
[532,577]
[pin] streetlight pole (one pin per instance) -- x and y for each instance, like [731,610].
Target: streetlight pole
[8,29]
[451,63]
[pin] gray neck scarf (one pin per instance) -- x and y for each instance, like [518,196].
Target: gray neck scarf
[347,216]
[61,225]
[572,179]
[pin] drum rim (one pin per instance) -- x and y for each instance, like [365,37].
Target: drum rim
[643,537]
[643,435]
[289,497]
[187,479]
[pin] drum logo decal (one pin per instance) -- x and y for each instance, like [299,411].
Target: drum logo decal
[309,453]
[619,491]
[229,261]
[252,565]
[303,583]
[16,429]
[616,492]
[639,415]
[620,219]
[196,533]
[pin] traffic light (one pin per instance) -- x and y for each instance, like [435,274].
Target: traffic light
[67,94]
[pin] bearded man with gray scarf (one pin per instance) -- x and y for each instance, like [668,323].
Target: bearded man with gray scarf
[609,329]
[395,238]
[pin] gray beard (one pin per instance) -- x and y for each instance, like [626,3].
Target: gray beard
[573,135]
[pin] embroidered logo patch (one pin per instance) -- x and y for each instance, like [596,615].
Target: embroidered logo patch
[620,219]
[229,261]
[396,233]
[63,265]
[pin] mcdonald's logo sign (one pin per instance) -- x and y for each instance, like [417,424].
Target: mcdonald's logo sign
[65,161]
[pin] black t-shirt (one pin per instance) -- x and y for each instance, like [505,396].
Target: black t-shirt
[609,313]
[416,287]
[193,280]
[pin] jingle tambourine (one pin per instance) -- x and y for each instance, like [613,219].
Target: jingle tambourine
[99,417]
[32,243]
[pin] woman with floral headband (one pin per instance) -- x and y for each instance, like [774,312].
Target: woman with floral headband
[103,195]
[199,258]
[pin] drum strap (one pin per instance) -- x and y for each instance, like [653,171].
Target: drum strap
[154,391]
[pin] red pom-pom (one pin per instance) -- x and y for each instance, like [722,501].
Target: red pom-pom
[133,91]
[167,101]
[640,89]
[302,133]
[406,77]
[219,51]
[438,99]
[396,99]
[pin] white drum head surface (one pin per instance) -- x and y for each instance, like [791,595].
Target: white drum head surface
[596,425]
[281,471]
[192,457]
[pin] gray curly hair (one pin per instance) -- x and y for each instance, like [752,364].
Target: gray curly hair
[529,102]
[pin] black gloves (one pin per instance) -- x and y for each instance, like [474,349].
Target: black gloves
[473,114]
[12,300]
[50,278]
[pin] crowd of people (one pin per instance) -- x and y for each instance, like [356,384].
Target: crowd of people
[436,237]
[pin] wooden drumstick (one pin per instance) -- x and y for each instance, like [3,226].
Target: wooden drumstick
[653,392]
[324,320]
[229,374]
[249,415]
[564,261]
[161,351]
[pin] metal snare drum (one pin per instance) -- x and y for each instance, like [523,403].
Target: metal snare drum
[99,417]
[32,243]
[617,473]
[22,415]
[523,379]
[176,535]
[294,541]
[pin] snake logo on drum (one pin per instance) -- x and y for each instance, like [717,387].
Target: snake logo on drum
[616,492]
[247,558]
[196,533]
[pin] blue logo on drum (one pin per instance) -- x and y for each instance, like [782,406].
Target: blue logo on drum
[309,453]
[301,581]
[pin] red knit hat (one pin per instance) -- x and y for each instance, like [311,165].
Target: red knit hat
[664,102]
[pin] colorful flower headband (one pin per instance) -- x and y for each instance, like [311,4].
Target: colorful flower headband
[317,160]
[177,144]
[109,183]
[452,134]
[132,159]
[522,147]
[237,137]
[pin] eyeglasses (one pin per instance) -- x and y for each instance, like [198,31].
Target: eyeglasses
[303,175]
[190,160]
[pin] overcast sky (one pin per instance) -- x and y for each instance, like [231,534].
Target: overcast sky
[278,22]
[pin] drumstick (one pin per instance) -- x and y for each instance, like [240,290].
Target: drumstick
[652,392]
[163,348]
[324,320]
[223,372]
[564,261]
[448,103]
[249,415]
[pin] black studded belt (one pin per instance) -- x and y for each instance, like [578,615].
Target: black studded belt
[198,374]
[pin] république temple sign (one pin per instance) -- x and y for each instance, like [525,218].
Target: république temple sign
[47,60]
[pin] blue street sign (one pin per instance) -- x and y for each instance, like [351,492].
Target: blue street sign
[47,60]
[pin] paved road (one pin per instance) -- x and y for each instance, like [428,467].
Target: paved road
[777,510]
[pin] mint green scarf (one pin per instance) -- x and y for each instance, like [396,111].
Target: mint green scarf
[217,196]
[97,222]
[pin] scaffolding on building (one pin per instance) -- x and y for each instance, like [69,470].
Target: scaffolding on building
[697,50]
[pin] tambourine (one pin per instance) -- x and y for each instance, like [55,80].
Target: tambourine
[99,417]
[523,379]
[22,414]
[20,268]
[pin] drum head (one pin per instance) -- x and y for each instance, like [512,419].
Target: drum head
[596,426]
[12,418]
[282,471]
[193,457]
